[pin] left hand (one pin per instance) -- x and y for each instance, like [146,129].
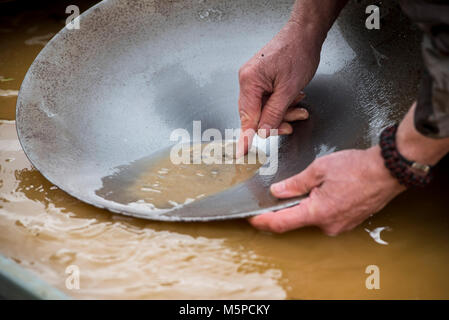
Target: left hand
[345,188]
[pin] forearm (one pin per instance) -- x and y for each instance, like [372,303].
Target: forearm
[318,16]
[416,147]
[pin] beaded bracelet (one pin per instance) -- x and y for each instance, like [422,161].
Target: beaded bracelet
[408,173]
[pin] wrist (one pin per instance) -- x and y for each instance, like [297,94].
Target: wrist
[381,171]
[312,30]
[307,38]
[409,173]
[416,147]
[316,17]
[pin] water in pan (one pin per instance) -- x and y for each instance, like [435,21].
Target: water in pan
[165,180]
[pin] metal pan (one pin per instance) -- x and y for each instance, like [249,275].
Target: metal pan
[99,99]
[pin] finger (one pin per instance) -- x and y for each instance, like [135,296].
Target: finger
[273,111]
[285,128]
[250,105]
[298,99]
[299,184]
[245,141]
[249,110]
[286,219]
[296,114]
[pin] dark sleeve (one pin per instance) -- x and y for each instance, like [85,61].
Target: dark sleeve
[432,111]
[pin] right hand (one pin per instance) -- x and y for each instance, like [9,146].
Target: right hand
[273,80]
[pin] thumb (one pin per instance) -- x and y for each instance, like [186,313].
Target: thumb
[250,105]
[285,219]
[299,184]
[245,141]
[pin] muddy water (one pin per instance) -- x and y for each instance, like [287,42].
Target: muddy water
[181,174]
[45,230]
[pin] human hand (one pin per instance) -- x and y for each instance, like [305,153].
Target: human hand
[273,80]
[345,188]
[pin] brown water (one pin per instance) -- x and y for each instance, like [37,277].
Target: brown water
[45,230]
[165,180]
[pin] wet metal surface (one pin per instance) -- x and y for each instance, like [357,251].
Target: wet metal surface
[111,93]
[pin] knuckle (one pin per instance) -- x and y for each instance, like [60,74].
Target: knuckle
[245,118]
[294,184]
[317,168]
[243,113]
[245,73]
[290,92]
[317,164]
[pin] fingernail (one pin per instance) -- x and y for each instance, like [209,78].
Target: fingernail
[304,113]
[277,187]
[284,131]
[263,131]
